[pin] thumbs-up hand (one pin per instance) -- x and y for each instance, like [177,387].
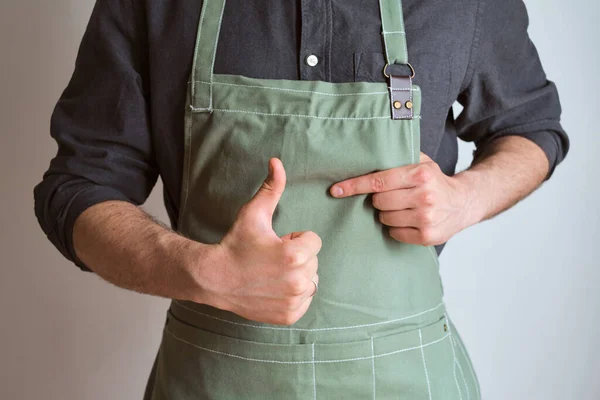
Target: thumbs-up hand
[268,278]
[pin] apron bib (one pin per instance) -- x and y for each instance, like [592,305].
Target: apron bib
[377,328]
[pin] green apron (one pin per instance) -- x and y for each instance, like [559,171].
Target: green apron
[377,328]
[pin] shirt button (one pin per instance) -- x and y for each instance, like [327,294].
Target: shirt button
[312,60]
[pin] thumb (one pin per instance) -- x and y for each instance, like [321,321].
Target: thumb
[264,202]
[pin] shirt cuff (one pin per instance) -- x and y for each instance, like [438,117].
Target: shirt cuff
[549,141]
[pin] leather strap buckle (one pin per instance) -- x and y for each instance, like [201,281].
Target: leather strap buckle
[401,99]
[412,70]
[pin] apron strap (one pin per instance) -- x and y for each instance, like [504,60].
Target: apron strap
[396,54]
[207,40]
[209,28]
[394,36]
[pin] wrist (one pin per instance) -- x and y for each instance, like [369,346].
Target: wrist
[475,206]
[202,266]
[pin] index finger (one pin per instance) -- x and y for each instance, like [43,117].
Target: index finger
[381,181]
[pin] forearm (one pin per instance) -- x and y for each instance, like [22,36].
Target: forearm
[127,247]
[509,170]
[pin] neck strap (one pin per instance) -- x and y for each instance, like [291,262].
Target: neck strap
[209,28]
[392,29]
[207,39]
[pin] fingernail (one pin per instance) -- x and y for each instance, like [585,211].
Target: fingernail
[337,191]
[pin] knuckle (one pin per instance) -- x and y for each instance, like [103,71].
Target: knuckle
[378,184]
[425,218]
[423,175]
[427,198]
[290,303]
[295,287]
[292,256]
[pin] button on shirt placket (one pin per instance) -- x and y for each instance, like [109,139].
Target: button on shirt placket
[315,40]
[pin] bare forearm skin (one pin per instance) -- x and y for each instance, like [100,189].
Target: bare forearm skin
[128,248]
[509,170]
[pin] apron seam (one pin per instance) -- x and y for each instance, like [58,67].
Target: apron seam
[454,363]
[387,55]
[475,381]
[312,116]
[212,67]
[186,184]
[415,89]
[344,360]
[373,366]
[412,142]
[193,99]
[425,364]
[461,372]
[404,42]
[314,373]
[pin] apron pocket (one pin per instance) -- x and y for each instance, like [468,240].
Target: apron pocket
[198,364]
[427,369]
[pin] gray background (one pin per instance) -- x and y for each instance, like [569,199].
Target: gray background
[529,315]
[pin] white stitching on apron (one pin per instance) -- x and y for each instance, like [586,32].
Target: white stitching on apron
[475,382]
[186,183]
[412,143]
[373,366]
[394,33]
[293,90]
[455,361]
[464,380]
[314,373]
[387,57]
[461,372]
[212,68]
[414,89]
[403,27]
[425,364]
[308,329]
[307,116]
[310,361]
[196,58]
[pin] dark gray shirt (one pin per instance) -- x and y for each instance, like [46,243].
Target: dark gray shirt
[119,123]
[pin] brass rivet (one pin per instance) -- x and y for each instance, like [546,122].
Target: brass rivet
[409,104]
[397,105]
[445,328]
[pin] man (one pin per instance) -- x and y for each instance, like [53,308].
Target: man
[207,94]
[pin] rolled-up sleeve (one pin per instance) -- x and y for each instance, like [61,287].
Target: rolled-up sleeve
[505,91]
[100,124]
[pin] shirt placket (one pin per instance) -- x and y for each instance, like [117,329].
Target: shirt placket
[315,40]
